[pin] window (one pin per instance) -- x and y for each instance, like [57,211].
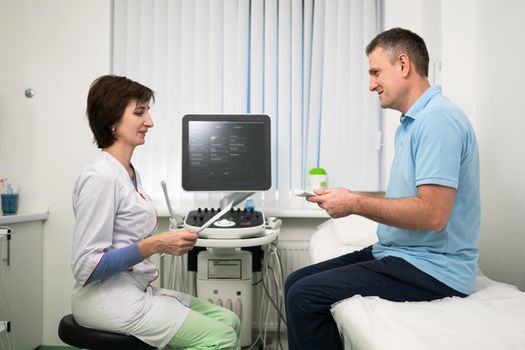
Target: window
[302,62]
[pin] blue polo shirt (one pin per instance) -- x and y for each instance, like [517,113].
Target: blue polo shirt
[436,144]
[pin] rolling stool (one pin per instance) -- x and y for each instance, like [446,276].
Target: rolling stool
[81,337]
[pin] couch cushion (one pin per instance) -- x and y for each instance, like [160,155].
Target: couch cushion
[352,229]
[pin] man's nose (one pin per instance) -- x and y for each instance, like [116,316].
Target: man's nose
[373,85]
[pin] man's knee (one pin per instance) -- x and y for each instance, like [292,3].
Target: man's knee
[294,297]
[287,287]
[290,281]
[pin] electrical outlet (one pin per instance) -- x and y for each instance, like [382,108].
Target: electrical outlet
[5,230]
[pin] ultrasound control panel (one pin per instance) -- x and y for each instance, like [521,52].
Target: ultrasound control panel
[237,223]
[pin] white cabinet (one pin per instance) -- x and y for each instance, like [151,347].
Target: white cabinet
[22,283]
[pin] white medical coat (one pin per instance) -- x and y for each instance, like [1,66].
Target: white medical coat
[111,214]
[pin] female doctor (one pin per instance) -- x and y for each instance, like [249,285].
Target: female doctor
[113,237]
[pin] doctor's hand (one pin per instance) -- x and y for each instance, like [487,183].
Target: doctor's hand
[169,242]
[178,242]
[337,202]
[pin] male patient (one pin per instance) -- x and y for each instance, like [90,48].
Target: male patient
[429,218]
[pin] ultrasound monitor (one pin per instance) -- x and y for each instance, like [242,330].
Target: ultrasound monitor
[222,152]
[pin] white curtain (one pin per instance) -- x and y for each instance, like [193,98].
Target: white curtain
[302,62]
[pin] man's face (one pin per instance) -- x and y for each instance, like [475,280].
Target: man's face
[385,78]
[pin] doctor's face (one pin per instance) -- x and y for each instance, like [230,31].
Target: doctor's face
[134,125]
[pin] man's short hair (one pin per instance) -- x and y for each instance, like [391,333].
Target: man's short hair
[397,41]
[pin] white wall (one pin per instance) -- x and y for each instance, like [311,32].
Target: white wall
[426,22]
[483,47]
[57,48]
[395,16]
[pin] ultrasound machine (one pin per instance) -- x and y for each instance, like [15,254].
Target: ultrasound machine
[232,154]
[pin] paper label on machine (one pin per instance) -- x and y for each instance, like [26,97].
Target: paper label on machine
[224,269]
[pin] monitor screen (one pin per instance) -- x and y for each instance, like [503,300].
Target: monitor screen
[226,152]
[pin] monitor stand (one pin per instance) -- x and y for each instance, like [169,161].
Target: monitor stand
[236,197]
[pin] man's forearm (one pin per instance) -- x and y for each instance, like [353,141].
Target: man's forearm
[378,194]
[427,211]
[405,213]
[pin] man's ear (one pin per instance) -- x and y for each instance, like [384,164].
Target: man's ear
[404,63]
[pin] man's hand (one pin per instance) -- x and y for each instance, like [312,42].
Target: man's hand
[337,202]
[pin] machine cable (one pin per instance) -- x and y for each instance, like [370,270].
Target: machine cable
[272,282]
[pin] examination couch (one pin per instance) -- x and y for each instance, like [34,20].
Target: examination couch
[493,317]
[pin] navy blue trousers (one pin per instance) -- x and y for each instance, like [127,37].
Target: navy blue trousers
[311,291]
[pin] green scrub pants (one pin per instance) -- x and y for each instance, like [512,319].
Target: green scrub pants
[208,326]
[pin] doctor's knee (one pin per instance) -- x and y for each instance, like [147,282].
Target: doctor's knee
[234,321]
[229,340]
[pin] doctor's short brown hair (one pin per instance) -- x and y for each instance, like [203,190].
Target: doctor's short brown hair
[108,97]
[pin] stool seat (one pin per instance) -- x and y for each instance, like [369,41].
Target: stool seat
[78,336]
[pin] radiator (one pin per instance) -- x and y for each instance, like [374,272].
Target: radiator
[294,255]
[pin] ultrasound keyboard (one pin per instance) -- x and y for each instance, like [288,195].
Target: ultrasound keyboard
[236,223]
